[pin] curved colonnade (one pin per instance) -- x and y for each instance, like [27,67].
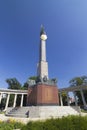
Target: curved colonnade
[73,89]
[8,92]
[25,92]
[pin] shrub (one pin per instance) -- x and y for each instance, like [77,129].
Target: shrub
[34,126]
[65,123]
[10,125]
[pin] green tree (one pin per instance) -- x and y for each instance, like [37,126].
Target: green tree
[33,77]
[79,81]
[25,86]
[13,83]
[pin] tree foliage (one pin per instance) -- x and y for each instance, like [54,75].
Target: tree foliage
[33,77]
[77,81]
[13,83]
[25,86]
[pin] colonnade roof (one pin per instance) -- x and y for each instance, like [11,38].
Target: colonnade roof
[12,91]
[73,88]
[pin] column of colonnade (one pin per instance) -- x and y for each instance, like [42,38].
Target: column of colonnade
[1,97]
[15,99]
[68,101]
[74,93]
[83,98]
[22,100]
[7,102]
[61,100]
[76,103]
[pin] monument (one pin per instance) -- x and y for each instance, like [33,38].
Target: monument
[42,94]
[42,91]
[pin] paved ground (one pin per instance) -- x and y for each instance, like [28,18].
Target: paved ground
[83,114]
[24,120]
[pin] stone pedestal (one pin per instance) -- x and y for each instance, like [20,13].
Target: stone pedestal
[42,94]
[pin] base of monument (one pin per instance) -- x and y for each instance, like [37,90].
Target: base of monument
[53,111]
[42,94]
[43,112]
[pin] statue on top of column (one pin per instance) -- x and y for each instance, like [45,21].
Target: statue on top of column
[42,30]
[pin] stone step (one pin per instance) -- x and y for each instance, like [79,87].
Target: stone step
[17,115]
[17,112]
[43,111]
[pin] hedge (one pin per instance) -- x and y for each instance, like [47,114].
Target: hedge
[65,123]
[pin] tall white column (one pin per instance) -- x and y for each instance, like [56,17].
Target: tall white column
[67,99]
[61,101]
[74,93]
[15,98]
[43,51]
[22,100]
[7,102]
[83,98]
[1,97]
[42,69]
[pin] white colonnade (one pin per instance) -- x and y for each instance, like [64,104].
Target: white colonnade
[8,92]
[74,94]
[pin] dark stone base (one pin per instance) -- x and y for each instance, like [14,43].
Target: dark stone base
[43,95]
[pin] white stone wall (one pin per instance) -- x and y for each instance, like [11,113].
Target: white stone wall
[54,111]
[58,111]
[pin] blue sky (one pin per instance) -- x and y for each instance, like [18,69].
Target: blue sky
[65,22]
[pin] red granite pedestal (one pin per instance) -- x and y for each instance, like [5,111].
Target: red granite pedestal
[42,94]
